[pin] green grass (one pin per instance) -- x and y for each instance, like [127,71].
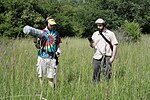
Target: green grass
[130,80]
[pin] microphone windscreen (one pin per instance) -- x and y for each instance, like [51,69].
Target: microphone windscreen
[27,29]
[30,30]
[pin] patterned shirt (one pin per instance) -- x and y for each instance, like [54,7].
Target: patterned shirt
[49,43]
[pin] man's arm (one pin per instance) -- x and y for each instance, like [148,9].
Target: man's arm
[92,43]
[113,53]
[58,41]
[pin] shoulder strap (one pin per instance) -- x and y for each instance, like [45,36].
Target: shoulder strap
[111,46]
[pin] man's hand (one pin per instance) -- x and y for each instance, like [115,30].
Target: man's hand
[94,43]
[113,53]
[58,54]
[111,60]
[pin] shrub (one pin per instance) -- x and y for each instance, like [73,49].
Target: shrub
[132,30]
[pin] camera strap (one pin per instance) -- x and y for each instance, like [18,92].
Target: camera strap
[111,46]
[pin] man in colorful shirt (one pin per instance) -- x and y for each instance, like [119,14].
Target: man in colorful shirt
[48,52]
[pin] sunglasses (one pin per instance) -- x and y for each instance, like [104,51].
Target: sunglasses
[52,25]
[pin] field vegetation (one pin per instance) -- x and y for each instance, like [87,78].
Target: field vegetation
[130,80]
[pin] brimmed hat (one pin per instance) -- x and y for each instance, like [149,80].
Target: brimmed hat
[99,21]
[51,21]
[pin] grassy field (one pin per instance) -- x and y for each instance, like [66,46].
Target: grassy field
[130,80]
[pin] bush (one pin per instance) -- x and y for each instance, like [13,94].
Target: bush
[132,30]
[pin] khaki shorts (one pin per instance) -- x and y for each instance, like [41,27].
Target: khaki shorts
[45,67]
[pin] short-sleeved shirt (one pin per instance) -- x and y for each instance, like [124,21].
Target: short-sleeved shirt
[102,47]
[50,42]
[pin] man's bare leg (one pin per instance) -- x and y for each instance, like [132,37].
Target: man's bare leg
[41,81]
[51,83]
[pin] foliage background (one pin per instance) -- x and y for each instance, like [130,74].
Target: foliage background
[74,17]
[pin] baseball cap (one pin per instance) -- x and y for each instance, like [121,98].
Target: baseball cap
[51,21]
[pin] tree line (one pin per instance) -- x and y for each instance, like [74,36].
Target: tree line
[73,17]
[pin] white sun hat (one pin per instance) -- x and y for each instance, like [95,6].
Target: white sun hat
[99,21]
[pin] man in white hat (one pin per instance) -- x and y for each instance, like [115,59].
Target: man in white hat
[105,44]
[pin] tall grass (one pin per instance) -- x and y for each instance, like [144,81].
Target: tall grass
[130,80]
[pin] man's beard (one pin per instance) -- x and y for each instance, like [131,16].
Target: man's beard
[101,29]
